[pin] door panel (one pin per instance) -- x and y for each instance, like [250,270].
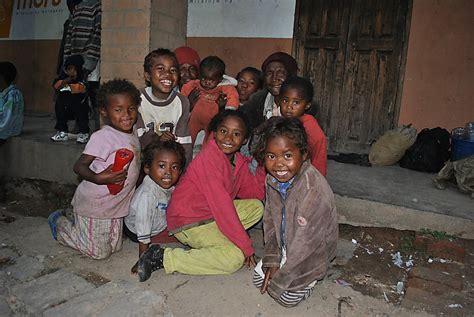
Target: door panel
[352,53]
[320,48]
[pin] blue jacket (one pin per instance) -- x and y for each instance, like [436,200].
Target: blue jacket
[12,107]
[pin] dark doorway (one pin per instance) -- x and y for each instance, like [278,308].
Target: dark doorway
[354,53]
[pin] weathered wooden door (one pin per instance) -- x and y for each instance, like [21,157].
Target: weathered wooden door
[354,54]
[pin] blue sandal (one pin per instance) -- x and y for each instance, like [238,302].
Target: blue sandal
[53,220]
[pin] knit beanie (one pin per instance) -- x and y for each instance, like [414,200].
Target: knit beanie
[287,60]
[75,60]
[187,55]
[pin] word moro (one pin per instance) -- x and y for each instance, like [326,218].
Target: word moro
[29,4]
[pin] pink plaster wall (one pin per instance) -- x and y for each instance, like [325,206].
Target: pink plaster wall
[439,78]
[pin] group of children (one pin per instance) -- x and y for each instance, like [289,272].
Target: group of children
[208,202]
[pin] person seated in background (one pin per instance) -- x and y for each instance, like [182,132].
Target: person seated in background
[296,95]
[188,61]
[261,105]
[71,101]
[249,81]
[12,105]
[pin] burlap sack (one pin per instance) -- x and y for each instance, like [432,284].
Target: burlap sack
[391,146]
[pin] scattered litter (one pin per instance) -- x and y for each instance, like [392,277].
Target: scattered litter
[380,250]
[455,306]
[354,241]
[430,260]
[342,282]
[356,256]
[9,273]
[443,260]
[445,273]
[414,200]
[4,245]
[385,297]
[397,260]
[12,202]
[367,250]
[400,288]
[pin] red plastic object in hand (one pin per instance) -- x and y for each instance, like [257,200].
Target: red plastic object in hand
[122,158]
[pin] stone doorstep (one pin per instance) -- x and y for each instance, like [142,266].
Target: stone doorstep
[49,290]
[453,281]
[117,298]
[25,268]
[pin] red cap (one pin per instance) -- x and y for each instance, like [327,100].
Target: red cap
[187,55]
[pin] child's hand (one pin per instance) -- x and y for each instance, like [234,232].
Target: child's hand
[167,136]
[268,276]
[250,262]
[222,101]
[108,177]
[194,97]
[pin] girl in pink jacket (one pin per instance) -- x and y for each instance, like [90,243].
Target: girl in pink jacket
[203,212]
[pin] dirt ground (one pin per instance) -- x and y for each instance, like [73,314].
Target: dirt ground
[367,280]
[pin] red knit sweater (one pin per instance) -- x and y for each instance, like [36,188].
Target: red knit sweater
[317,143]
[207,190]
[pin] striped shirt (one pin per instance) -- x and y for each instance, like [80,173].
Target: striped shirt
[83,33]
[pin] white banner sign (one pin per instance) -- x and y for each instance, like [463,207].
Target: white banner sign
[241,18]
[32,19]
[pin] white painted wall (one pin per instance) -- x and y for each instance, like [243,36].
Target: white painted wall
[35,20]
[241,18]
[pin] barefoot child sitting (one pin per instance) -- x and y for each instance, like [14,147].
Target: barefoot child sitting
[296,95]
[96,229]
[163,163]
[203,212]
[300,219]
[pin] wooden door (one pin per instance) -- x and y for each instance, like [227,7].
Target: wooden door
[354,53]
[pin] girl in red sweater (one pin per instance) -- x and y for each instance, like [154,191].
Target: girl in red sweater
[296,95]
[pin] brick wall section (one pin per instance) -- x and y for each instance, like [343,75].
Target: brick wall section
[130,28]
[168,23]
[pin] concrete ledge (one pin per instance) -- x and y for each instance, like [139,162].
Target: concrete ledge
[28,158]
[359,212]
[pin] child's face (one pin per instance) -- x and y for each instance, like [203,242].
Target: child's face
[292,103]
[121,111]
[283,159]
[187,72]
[246,85]
[71,71]
[163,76]
[274,76]
[230,135]
[164,169]
[210,78]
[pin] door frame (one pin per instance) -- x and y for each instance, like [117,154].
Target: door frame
[401,79]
